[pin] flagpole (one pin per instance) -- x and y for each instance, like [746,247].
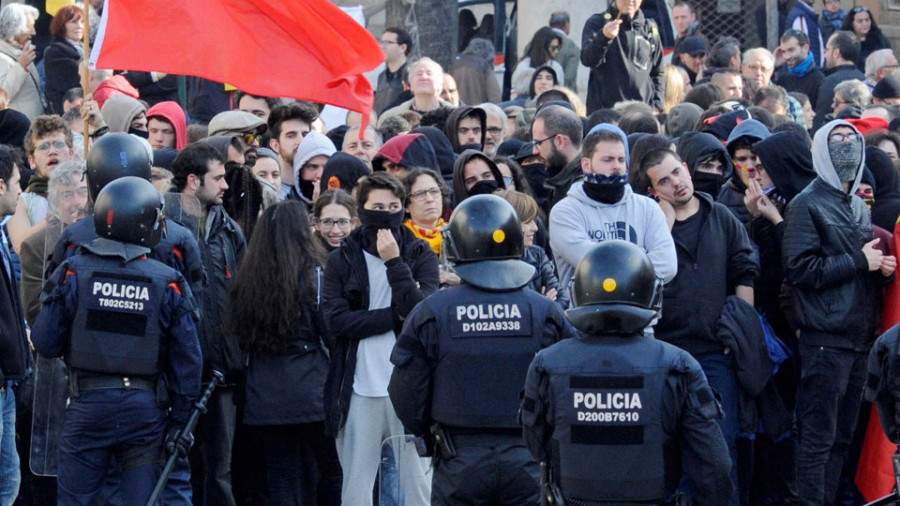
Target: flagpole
[86,76]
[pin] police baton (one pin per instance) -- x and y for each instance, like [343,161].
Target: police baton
[199,408]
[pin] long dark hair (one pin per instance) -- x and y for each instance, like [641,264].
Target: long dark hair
[539,47]
[851,15]
[277,280]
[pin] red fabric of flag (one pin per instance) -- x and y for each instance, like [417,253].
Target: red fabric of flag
[875,473]
[304,49]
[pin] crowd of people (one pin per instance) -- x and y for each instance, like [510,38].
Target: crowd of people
[762,184]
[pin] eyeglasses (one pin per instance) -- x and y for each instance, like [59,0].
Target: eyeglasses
[328,223]
[420,195]
[554,47]
[538,143]
[836,138]
[759,68]
[45,146]
[494,130]
[859,8]
[388,42]
[250,137]
[838,102]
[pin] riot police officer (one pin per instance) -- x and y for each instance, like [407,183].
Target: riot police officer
[120,320]
[462,356]
[118,155]
[615,412]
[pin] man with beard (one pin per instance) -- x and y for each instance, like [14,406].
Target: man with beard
[603,207]
[288,125]
[557,134]
[199,171]
[247,127]
[715,260]
[495,132]
[799,72]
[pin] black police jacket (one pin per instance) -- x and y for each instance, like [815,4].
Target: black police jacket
[178,249]
[463,354]
[345,302]
[634,401]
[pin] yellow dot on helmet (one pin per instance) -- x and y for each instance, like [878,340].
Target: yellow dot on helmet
[609,284]
[499,236]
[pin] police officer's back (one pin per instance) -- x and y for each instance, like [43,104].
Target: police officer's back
[617,413]
[461,359]
[114,156]
[120,321]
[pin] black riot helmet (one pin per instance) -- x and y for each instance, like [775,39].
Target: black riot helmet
[485,244]
[113,156]
[130,209]
[615,290]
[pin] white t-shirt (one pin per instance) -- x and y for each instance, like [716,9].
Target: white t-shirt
[373,357]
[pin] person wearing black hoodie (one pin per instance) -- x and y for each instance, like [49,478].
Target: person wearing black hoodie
[443,150]
[886,207]
[788,163]
[475,174]
[466,128]
[707,159]
[746,163]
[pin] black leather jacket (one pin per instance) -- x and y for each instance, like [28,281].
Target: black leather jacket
[834,293]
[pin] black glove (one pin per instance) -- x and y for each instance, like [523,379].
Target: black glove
[178,440]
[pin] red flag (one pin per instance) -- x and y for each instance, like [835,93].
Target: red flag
[875,473]
[304,49]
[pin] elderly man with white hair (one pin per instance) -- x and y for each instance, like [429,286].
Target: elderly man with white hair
[496,128]
[757,68]
[426,79]
[879,65]
[18,75]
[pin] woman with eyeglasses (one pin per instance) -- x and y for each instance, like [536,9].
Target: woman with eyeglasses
[540,51]
[860,21]
[334,217]
[427,200]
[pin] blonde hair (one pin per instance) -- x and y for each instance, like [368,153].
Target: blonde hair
[526,207]
[574,99]
[674,85]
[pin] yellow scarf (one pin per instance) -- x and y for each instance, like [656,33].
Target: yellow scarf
[430,235]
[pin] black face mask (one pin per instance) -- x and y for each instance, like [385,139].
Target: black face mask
[483,187]
[307,188]
[373,221]
[708,182]
[607,193]
[143,134]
